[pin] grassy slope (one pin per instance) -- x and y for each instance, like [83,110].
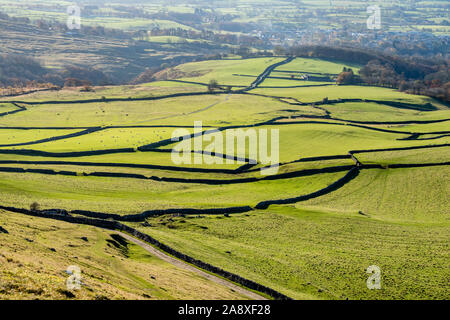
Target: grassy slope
[434,155]
[223,70]
[394,195]
[432,127]
[320,244]
[312,140]
[146,158]
[270,82]
[110,139]
[316,66]
[152,89]
[7,107]
[13,136]
[109,113]
[130,196]
[362,111]
[310,254]
[346,92]
[30,270]
[224,109]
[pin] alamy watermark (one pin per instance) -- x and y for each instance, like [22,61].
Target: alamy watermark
[73,282]
[227,147]
[374,280]
[74,18]
[374,20]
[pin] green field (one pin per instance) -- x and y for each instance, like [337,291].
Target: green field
[217,110]
[315,247]
[14,136]
[362,111]
[345,92]
[146,90]
[315,254]
[304,140]
[7,107]
[316,66]
[434,155]
[225,71]
[394,194]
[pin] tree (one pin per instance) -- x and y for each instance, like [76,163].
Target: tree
[213,84]
[34,206]
[346,77]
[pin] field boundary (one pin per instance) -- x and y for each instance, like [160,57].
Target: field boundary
[350,175]
[19,109]
[241,170]
[56,138]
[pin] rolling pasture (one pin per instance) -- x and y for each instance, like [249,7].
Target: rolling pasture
[363,176]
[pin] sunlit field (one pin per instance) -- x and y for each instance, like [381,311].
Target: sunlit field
[358,183]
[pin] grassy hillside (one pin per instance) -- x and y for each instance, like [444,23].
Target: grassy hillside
[401,195]
[315,254]
[345,212]
[303,140]
[225,71]
[434,155]
[345,92]
[145,90]
[363,111]
[218,110]
[14,136]
[128,196]
[316,66]
[35,254]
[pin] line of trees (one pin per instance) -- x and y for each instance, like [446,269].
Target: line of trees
[435,84]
